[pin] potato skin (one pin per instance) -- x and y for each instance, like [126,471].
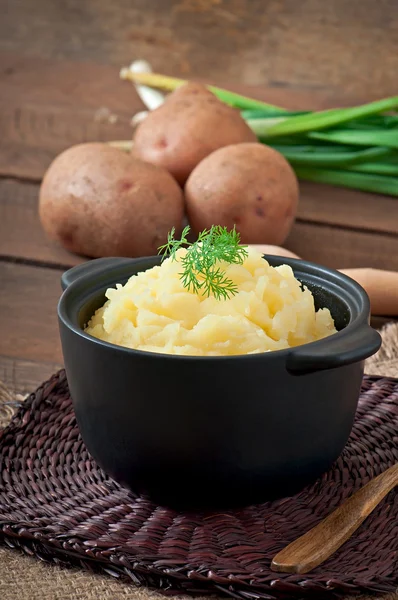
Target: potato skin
[99,201]
[250,186]
[190,125]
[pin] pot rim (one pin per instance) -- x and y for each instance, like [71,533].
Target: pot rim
[353,291]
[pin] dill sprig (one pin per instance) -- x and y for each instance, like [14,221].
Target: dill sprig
[202,271]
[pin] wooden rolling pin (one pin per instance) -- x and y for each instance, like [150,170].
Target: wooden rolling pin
[381,286]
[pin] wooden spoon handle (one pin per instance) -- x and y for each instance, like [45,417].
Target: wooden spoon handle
[314,547]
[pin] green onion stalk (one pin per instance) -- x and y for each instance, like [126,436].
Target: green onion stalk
[354,147]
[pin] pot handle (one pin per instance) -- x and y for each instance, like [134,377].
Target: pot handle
[90,267]
[339,351]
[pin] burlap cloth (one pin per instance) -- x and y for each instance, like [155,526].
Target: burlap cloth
[26,578]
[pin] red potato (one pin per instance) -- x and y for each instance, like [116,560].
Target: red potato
[99,201]
[250,186]
[190,125]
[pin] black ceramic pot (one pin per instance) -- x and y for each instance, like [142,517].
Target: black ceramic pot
[211,432]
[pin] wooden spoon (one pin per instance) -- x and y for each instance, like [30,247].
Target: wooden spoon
[318,544]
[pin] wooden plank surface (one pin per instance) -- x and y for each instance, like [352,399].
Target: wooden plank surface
[21,234]
[341,248]
[32,135]
[86,84]
[348,208]
[28,309]
[24,376]
[312,44]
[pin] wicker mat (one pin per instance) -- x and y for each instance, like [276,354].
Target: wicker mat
[24,577]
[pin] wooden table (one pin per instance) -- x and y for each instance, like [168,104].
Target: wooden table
[59,66]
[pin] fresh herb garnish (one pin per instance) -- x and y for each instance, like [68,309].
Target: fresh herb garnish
[201,269]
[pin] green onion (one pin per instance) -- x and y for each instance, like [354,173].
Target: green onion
[242,102]
[266,114]
[333,158]
[329,118]
[361,138]
[312,148]
[376,168]
[171,83]
[358,181]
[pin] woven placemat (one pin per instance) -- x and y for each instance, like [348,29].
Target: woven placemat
[57,504]
[28,578]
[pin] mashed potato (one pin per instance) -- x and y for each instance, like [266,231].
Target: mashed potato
[154,312]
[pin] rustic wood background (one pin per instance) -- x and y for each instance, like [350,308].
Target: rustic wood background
[59,64]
